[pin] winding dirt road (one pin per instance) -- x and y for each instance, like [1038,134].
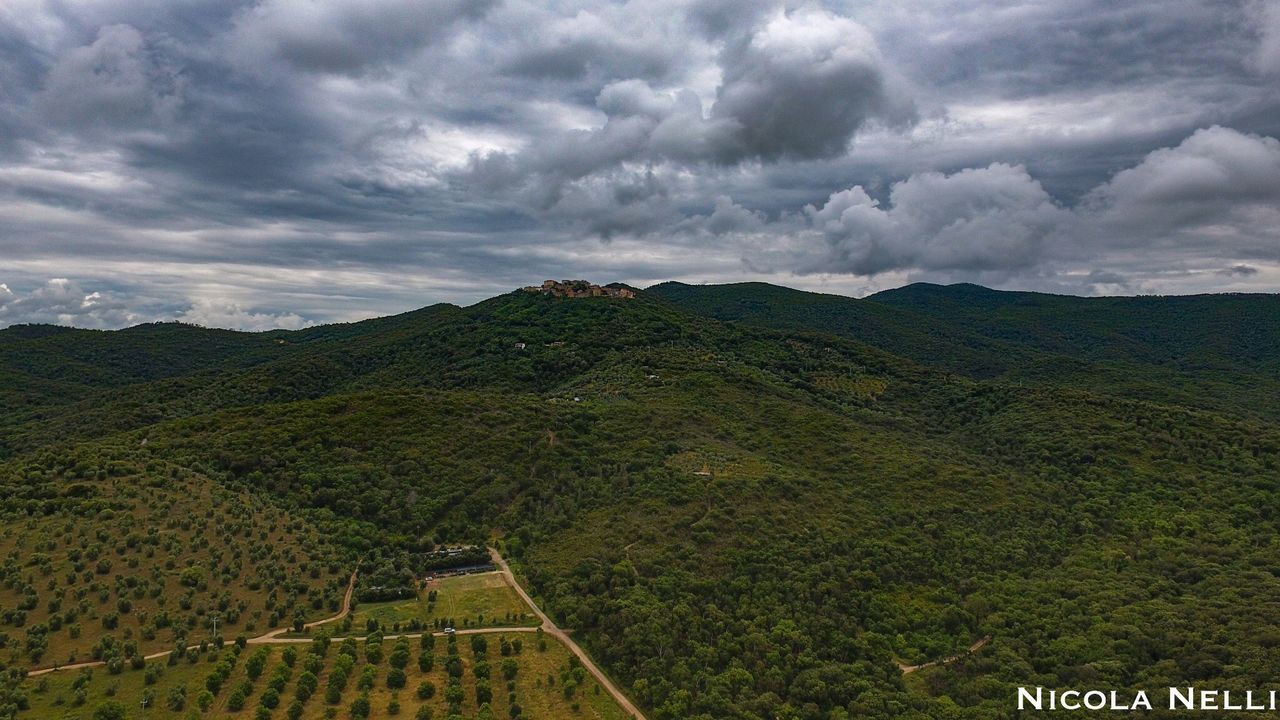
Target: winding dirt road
[908,669]
[547,626]
[550,628]
[271,636]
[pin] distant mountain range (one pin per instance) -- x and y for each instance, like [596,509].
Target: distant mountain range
[1220,351]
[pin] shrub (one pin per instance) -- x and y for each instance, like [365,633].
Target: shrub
[270,698]
[360,707]
[109,710]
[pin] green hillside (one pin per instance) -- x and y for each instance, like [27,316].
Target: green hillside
[1214,351]
[746,501]
[1188,333]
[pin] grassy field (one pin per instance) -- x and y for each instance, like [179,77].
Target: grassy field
[154,559]
[545,685]
[482,600]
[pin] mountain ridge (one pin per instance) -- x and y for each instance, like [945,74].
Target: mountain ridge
[801,492]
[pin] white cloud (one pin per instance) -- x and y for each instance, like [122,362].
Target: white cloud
[1219,189]
[1206,206]
[215,313]
[63,302]
[977,219]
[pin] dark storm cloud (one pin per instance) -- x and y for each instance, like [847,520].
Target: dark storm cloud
[798,85]
[114,81]
[1016,49]
[346,36]
[278,162]
[802,85]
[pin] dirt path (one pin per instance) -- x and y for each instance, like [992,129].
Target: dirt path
[346,610]
[626,551]
[275,639]
[553,630]
[72,666]
[907,669]
[271,636]
[547,626]
[407,636]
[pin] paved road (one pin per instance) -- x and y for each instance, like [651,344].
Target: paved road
[553,630]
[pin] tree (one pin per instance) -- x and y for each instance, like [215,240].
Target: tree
[453,666]
[177,698]
[306,686]
[453,692]
[257,663]
[360,707]
[109,710]
[399,655]
[270,698]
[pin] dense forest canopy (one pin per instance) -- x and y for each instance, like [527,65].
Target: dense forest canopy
[747,501]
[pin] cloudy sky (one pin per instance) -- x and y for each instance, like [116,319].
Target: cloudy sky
[276,163]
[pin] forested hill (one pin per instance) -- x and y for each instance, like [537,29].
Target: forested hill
[748,502]
[1192,332]
[1212,351]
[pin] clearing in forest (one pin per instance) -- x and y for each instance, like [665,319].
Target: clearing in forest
[461,601]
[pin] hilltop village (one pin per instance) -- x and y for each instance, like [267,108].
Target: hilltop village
[579,289]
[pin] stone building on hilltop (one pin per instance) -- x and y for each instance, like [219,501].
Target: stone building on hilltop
[579,289]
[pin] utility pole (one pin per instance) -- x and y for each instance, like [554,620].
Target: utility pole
[215,625]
